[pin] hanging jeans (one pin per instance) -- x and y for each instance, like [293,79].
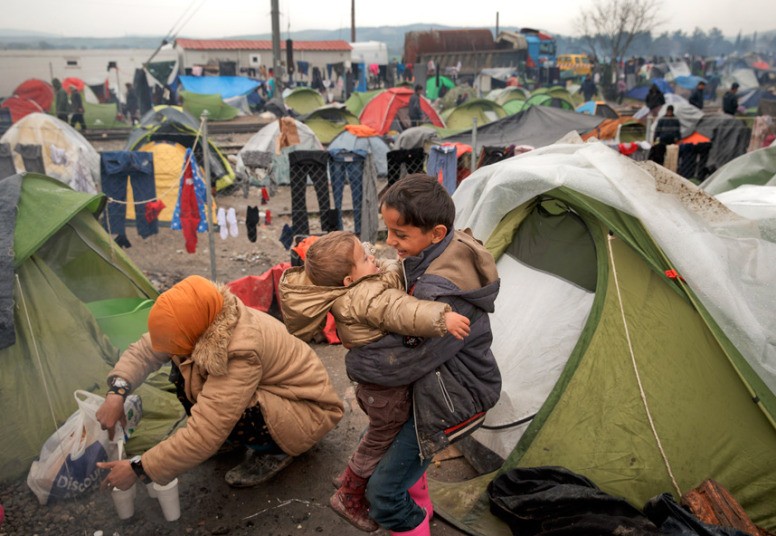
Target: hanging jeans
[310,165]
[348,165]
[443,163]
[412,159]
[115,167]
[32,155]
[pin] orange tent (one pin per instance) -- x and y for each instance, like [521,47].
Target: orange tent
[381,112]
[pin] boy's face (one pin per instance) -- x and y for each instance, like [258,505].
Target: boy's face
[408,240]
[363,264]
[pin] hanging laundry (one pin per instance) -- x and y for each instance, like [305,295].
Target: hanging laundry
[117,169]
[443,164]
[196,197]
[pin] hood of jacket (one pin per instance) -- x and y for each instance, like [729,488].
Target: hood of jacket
[210,351]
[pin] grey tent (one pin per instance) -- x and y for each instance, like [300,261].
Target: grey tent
[537,126]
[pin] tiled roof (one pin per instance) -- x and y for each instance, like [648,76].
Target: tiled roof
[260,44]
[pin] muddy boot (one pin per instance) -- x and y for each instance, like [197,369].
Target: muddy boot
[257,469]
[349,502]
[337,480]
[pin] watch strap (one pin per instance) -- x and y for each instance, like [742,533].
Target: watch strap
[137,466]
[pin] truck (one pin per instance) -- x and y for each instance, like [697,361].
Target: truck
[542,48]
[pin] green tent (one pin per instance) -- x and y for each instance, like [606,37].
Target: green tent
[508,94]
[358,100]
[78,301]
[514,106]
[462,116]
[303,100]
[435,84]
[545,99]
[217,109]
[632,333]
[103,116]
[328,121]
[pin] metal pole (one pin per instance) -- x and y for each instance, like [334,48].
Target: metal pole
[276,43]
[208,197]
[352,21]
[474,145]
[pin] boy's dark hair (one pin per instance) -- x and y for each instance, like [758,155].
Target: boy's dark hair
[421,201]
[330,258]
[670,108]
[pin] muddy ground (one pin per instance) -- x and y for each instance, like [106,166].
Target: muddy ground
[293,503]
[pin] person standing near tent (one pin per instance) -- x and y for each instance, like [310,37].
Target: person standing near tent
[454,382]
[61,102]
[668,128]
[654,100]
[588,88]
[240,376]
[696,98]
[271,84]
[415,107]
[730,100]
[77,107]
[622,87]
[132,108]
[367,299]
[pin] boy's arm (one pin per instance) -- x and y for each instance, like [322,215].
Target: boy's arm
[394,360]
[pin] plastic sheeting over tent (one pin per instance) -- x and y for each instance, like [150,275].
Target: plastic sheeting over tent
[67,156]
[757,168]
[588,244]
[264,146]
[537,126]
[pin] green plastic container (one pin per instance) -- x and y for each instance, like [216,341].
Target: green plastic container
[123,320]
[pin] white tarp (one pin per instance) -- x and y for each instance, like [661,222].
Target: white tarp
[722,256]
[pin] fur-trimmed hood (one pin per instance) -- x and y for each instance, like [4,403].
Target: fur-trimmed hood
[210,351]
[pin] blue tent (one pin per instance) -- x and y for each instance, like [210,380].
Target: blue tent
[640,92]
[226,86]
[599,108]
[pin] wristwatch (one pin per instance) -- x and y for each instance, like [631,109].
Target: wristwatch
[119,386]
[137,467]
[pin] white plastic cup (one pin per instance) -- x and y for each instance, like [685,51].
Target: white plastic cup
[124,501]
[151,490]
[169,500]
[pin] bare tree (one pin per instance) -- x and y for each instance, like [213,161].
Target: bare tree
[609,26]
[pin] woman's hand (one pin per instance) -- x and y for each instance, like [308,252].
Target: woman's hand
[111,412]
[121,475]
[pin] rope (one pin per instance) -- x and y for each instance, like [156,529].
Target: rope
[636,371]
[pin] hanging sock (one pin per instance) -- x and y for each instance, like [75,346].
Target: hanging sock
[152,210]
[251,221]
[264,195]
[221,219]
[122,241]
[231,219]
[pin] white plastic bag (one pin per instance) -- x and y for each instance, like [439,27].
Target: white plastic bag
[67,466]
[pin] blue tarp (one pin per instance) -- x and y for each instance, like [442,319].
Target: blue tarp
[226,86]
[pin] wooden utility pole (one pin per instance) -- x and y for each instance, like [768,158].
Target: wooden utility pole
[352,21]
[276,43]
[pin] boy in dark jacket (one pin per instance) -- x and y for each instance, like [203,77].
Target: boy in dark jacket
[454,382]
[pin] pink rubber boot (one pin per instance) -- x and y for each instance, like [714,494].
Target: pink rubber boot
[419,494]
[424,529]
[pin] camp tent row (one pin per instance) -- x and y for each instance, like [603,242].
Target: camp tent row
[633,330]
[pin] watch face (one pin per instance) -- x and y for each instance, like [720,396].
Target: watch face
[135,459]
[120,382]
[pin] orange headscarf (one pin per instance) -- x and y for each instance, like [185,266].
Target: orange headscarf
[182,314]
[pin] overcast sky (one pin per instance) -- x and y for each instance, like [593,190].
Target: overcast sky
[221,18]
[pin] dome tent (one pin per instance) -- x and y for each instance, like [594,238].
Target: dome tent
[597,255]
[371,144]
[67,155]
[388,111]
[303,100]
[328,121]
